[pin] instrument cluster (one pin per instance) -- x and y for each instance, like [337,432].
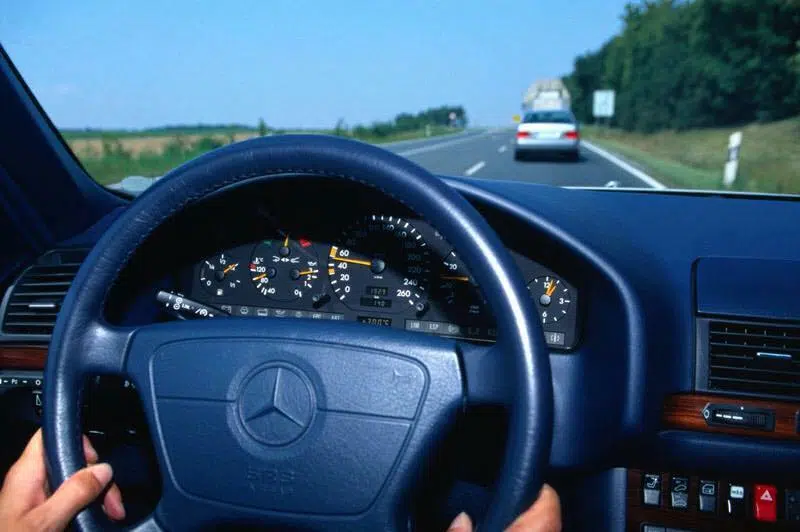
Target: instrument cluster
[381,270]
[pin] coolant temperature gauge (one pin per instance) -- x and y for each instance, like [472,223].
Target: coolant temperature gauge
[283,269]
[552,297]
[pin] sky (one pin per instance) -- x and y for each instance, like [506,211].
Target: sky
[296,63]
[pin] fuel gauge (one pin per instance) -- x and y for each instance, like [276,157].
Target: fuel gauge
[218,274]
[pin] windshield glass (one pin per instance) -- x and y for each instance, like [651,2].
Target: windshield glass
[701,94]
[555,117]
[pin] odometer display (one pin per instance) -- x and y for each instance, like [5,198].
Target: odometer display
[382,264]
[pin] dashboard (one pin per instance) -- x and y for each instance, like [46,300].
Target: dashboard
[379,269]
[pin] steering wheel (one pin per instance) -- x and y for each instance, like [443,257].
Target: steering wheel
[297,423]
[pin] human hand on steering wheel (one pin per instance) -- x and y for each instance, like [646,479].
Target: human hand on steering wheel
[27,504]
[543,516]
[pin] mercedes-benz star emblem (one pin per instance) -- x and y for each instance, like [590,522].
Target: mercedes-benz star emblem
[277,404]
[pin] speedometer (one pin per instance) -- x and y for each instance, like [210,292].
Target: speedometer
[382,265]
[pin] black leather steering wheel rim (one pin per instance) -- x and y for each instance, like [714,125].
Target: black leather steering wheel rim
[83,344]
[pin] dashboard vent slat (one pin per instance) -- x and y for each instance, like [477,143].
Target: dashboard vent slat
[759,358]
[36,297]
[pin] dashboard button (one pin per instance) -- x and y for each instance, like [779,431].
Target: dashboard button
[735,502]
[707,496]
[765,503]
[651,489]
[793,505]
[679,493]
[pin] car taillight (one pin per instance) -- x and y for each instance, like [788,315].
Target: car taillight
[522,134]
[572,135]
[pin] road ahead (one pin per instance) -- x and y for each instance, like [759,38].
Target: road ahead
[490,155]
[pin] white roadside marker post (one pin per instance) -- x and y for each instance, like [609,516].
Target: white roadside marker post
[732,164]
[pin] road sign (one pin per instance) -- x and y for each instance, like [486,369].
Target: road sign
[603,105]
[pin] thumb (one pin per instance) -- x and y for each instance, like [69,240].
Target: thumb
[72,496]
[462,523]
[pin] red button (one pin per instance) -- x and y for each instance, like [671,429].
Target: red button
[765,502]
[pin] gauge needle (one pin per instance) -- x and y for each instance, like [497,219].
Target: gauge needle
[230,267]
[286,241]
[354,261]
[258,277]
[550,288]
[455,278]
[308,272]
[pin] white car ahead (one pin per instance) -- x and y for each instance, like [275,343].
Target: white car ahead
[548,132]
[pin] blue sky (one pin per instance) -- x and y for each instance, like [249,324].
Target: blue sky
[101,63]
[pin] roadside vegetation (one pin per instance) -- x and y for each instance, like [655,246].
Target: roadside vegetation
[111,155]
[687,75]
[769,158]
[700,64]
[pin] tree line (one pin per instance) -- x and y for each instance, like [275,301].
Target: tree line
[681,64]
[434,116]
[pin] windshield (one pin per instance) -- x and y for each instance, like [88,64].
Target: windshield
[667,94]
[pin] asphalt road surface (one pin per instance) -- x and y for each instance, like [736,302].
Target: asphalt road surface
[490,155]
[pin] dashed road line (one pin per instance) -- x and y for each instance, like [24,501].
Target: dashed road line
[474,168]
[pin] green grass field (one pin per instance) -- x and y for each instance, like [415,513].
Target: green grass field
[769,158]
[110,156]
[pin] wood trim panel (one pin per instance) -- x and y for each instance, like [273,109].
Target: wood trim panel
[22,356]
[684,411]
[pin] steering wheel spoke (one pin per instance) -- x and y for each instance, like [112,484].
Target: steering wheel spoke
[105,349]
[486,374]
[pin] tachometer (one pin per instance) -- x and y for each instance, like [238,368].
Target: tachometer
[382,265]
[283,269]
[458,289]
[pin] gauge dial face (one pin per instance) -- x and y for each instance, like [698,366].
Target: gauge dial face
[382,265]
[458,290]
[552,297]
[219,274]
[283,269]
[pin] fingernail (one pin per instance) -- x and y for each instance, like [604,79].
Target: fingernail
[102,473]
[120,510]
[461,522]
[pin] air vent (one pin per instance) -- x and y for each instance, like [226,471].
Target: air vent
[754,358]
[37,295]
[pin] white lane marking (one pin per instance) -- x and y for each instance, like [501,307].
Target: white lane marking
[501,149]
[440,145]
[474,168]
[635,172]
[420,140]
